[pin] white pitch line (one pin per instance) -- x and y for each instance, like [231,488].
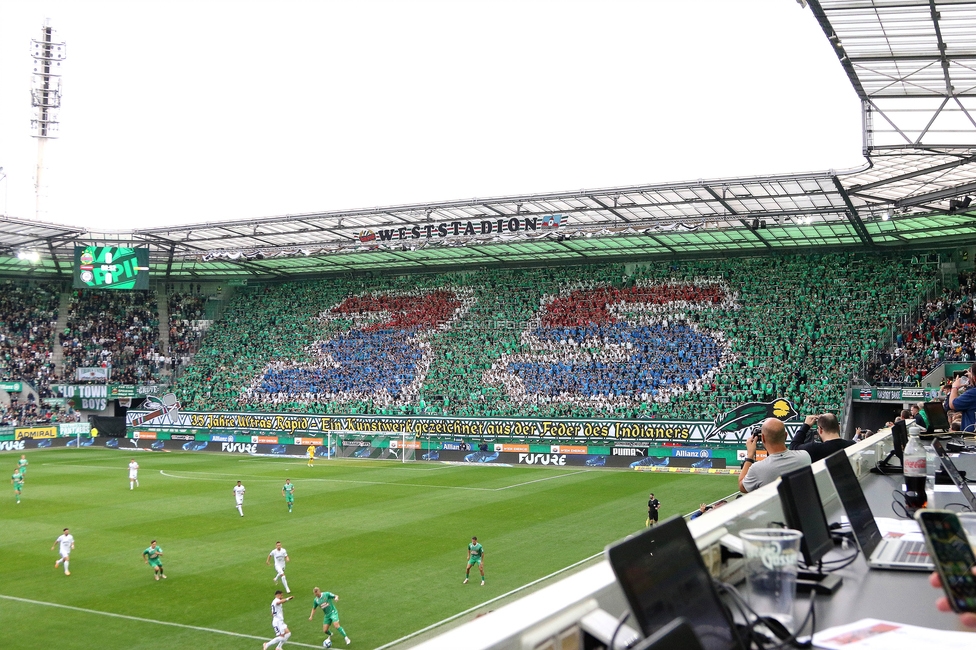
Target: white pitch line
[333,480]
[149,620]
[357,462]
[487,602]
[547,478]
[112,467]
[343,480]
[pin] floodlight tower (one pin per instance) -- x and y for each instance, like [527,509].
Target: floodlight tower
[45,98]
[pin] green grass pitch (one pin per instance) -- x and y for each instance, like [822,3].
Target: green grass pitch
[389,538]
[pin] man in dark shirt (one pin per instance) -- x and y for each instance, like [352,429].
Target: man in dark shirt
[830,440]
[652,507]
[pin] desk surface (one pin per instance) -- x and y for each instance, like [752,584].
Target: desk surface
[903,596]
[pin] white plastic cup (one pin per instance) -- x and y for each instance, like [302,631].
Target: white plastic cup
[772,556]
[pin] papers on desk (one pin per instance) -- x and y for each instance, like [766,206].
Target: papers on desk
[906,529]
[874,634]
[891,527]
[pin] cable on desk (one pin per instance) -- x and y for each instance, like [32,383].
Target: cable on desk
[898,499]
[616,630]
[964,507]
[745,609]
[841,562]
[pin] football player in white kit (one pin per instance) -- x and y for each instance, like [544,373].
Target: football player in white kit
[282,633]
[67,542]
[280,556]
[239,497]
[133,473]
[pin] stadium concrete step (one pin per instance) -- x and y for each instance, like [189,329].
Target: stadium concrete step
[57,355]
[162,301]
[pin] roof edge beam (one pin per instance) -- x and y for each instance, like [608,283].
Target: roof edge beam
[852,215]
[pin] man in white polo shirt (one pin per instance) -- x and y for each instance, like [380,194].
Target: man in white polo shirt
[779,460]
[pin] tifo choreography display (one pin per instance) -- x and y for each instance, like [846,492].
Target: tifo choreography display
[684,340]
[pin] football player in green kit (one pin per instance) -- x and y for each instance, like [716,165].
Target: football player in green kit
[22,465]
[476,555]
[325,600]
[18,482]
[288,491]
[152,555]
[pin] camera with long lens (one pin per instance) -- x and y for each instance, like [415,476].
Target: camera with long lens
[756,432]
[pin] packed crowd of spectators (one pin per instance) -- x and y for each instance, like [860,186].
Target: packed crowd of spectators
[945,330]
[386,352]
[117,330]
[104,329]
[28,315]
[24,413]
[617,346]
[682,340]
[187,313]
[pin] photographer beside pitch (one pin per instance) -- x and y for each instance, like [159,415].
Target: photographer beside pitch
[830,441]
[779,460]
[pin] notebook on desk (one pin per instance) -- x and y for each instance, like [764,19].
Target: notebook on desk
[880,552]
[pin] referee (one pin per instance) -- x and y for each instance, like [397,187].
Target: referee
[653,505]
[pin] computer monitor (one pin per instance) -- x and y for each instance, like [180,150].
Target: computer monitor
[804,512]
[899,438]
[663,576]
[937,417]
[863,524]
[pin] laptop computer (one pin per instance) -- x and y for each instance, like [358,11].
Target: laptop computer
[663,576]
[937,417]
[954,474]
[880,552]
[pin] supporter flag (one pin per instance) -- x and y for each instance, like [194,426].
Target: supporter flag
[606,346]
[751,414]
[552,221]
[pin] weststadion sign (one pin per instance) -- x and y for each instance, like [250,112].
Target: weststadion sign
[463,228]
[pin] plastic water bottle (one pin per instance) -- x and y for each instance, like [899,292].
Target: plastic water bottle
[915,466]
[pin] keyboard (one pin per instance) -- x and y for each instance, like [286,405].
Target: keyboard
[912,553]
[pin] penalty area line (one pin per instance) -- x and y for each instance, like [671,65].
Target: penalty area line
[148,620]
[487,602]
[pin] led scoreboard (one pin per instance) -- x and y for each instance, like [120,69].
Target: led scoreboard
[109,267]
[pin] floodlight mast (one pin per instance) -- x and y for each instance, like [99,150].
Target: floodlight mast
[45,99]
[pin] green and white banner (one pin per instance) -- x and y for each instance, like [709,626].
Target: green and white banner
[292,424]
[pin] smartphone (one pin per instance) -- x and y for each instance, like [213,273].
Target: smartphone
[953,556]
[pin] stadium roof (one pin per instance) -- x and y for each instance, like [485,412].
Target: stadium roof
[912,64]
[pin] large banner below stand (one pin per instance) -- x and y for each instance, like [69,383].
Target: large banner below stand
[167,416]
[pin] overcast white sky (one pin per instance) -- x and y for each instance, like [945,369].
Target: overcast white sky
[185,111]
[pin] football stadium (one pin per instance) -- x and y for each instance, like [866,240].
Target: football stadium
[366,401]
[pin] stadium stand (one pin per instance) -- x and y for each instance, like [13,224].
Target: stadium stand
[120,330]
[28,314]
[682,340]
[186,324]
[944,331]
